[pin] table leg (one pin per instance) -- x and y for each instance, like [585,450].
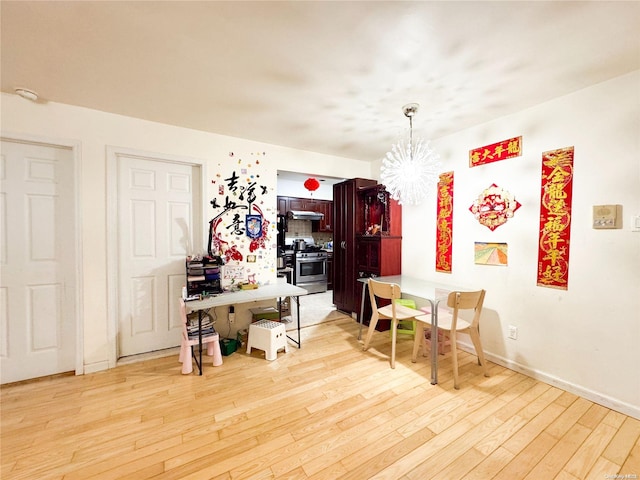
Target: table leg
[364,294]
[434,341]
[200,341]
[298,318]
[299,341]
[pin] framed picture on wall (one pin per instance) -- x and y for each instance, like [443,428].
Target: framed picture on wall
[254,226]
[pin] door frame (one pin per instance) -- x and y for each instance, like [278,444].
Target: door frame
[113,153]
[78,307]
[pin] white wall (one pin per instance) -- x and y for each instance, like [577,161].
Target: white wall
[587,338]
[94,131]
[584,339]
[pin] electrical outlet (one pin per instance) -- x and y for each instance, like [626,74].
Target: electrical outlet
[513,332]
[232,315]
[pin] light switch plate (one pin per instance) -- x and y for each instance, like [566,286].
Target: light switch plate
[635,223]
[607,216]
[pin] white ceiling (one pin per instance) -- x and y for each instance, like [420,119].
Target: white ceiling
[329,77]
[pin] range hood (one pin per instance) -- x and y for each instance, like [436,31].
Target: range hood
[301,215]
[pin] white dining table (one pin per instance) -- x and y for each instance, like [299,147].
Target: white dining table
[430,291]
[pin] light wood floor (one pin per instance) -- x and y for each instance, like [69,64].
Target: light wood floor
[326,411]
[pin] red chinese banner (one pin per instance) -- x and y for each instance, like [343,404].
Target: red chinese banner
[496,152]
[555,218]
[444,223]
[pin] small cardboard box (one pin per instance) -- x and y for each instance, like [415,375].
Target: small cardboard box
[243,337]
[265,313]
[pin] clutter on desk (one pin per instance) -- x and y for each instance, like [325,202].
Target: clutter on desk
[203,276]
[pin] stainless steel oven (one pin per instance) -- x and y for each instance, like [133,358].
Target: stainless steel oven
[310,271]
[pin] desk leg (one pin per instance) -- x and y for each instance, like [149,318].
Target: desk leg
[299,341]
[200,341]
[364,294]
[434,341]
[298,319]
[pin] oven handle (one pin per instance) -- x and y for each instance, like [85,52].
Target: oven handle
[311,260]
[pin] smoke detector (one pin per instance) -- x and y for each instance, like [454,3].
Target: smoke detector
[26,93]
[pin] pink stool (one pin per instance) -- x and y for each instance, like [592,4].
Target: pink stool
[213,350]
[186,354]
[444,345]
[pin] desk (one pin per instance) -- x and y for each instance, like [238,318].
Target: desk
[265,292]
[430,291]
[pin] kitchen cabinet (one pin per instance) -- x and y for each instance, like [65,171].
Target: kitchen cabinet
[348,220]
[326,208]
[283,205]
[286,204]
[304,204]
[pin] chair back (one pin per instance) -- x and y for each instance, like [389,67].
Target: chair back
[387,291]
[465,301]
[183,311]
[183,317]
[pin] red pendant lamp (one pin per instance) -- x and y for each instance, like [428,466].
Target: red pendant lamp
[311,184]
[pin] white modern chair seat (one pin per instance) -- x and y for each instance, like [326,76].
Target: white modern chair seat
[402,312]
[445,321]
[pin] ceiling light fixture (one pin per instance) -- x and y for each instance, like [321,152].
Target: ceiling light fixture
[26,93]
[410,170]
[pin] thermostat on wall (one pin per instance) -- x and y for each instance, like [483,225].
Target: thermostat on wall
[607,216]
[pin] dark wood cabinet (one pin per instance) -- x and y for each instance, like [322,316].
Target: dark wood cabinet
[378,256]
[348,220]
[379,247]
[304,204]
[283,205]
[286,204]
[382,214]
[367,241]
[326,224]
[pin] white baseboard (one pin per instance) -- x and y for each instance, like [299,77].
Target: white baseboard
[96,367]
[596,397]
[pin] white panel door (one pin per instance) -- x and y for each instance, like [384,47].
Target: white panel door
[156,229]
[38,258]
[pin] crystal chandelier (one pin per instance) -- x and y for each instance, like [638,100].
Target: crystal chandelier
[410,169]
